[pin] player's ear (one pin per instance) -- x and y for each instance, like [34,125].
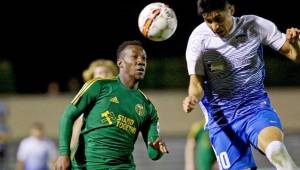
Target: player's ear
[231,9]
[120,63]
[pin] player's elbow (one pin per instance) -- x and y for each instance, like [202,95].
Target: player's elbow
[295,57]
[297,60]
[291,52]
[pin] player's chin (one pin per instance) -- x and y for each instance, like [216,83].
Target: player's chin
[140,76]
[223,34]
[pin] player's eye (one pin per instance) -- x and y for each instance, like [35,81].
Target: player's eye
[209,21]
[142,57]
[219,19]
[135,56]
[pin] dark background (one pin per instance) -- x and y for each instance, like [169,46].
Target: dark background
[48,41]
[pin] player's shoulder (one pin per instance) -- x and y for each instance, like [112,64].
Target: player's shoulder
[27,141]
[252,20]
[101,81]
[249,17]
[95,84]
[143,96]
[201,34]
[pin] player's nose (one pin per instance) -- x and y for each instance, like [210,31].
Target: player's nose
[141,60]
[215,26]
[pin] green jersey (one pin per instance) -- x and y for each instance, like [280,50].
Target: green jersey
[204,154]
[113,117]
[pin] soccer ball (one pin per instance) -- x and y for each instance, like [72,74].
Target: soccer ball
[157,21]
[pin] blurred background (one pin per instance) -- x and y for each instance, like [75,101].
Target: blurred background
[46,46]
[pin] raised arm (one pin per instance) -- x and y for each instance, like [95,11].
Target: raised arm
[291,47]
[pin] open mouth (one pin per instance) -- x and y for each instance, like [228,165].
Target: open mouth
[141,70]
[221,32]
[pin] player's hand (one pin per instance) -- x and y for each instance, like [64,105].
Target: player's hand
[62,163]
[189,103]
[159,145]
[293,35]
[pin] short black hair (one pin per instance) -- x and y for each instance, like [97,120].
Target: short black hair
[204,6]
[124,44]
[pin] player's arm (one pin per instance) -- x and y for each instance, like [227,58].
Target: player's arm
[291,47]
[85,98]
[195,66]
[189,154]
[195,93]
[76,131]
[150,132]
[287,44]
[190,151]
[21,156]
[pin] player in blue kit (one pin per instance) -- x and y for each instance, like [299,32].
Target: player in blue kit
[226,68]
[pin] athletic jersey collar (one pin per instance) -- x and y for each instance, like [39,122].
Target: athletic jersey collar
[123,86]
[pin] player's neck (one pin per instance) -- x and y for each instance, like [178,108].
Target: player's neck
[129,81]
[231,27]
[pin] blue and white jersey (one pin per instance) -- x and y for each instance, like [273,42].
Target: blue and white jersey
[232,67]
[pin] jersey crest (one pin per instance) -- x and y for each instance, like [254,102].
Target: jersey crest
[139,108]
[114,100]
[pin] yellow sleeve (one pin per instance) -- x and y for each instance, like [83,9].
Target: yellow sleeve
[195,128]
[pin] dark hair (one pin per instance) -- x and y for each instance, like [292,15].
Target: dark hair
[125,44]
[204,6]
[37,125]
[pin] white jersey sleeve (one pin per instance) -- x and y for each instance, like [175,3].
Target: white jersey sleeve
[21,153]
[269,34]
[193,53]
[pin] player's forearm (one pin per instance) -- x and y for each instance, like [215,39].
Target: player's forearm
[153,153]
[189,154]
[152,135]
[196,91]
[294,52]
[76,132]
[297,56]
[195,87]
[291,48]
[65,129]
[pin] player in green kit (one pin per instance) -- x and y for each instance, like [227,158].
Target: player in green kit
[199,154]
[115,111]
